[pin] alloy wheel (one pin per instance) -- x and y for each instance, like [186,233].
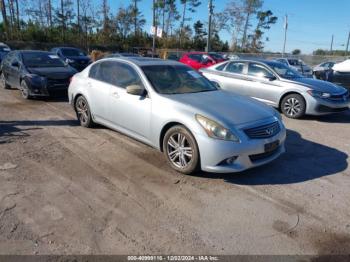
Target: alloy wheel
[2,81]
[82,111]
[179,151]
[292,106]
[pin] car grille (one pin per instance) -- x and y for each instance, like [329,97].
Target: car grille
[262,156]
[340,98]
[57,83]
[264,131]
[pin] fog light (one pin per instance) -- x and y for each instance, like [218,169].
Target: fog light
[231,160]
[36,90]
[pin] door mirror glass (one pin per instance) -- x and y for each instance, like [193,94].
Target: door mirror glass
[135,90]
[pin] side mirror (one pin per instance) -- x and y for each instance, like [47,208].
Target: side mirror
[271,78]
[216,84]
[15,64]
[135,90]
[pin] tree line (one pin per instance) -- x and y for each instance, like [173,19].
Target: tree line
[87,23]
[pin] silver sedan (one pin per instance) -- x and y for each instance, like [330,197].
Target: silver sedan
[279,86]
[171,107]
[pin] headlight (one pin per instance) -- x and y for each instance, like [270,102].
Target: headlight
[69,61]
[36,77]
[278,115]
[319,94]
[215,130]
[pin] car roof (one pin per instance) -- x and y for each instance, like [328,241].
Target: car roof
[257,60]
[195,53]
[32,51]
[144,61]
[66,47]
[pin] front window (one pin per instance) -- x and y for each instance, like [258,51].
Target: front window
[176,79]
[284,71]
[72,52]
[258,70]
[37,59]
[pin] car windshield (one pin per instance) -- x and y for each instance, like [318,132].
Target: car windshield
[72,52]
[284,71]
[37,59]
[176,79]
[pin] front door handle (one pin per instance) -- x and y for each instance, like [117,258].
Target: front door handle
[115,94]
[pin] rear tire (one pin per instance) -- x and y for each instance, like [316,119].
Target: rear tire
[83,112]
[181,150]
[25,90]
[293,106]
[3,81]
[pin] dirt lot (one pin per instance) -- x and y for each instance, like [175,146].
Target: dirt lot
[69,190]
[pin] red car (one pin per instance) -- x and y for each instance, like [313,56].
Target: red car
[198,60]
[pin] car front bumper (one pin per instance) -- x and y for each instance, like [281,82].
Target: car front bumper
[48,88]
[318,106]
[250,153]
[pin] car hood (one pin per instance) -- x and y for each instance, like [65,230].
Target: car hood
[228,108]
[53,72]
[318,85]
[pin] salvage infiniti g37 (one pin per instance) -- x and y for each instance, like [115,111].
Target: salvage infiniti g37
[171,107]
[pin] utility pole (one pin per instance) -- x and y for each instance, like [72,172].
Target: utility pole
[285,35]
[154,28]
[332,44]
[210,8]
[347,45]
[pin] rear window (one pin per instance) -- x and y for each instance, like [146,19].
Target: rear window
[294,62]
[235,67]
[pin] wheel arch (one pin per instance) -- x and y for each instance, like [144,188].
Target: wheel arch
[165,128]
[287,94]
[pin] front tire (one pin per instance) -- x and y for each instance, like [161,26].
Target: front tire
[3,83]
[25,90]
[293,106]
[181,150]
[83,112]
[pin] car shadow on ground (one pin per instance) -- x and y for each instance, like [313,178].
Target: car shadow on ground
[343,117]
[304,160]
[10,130]
[53,99]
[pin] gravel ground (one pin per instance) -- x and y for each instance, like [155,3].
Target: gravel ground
[69,190]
